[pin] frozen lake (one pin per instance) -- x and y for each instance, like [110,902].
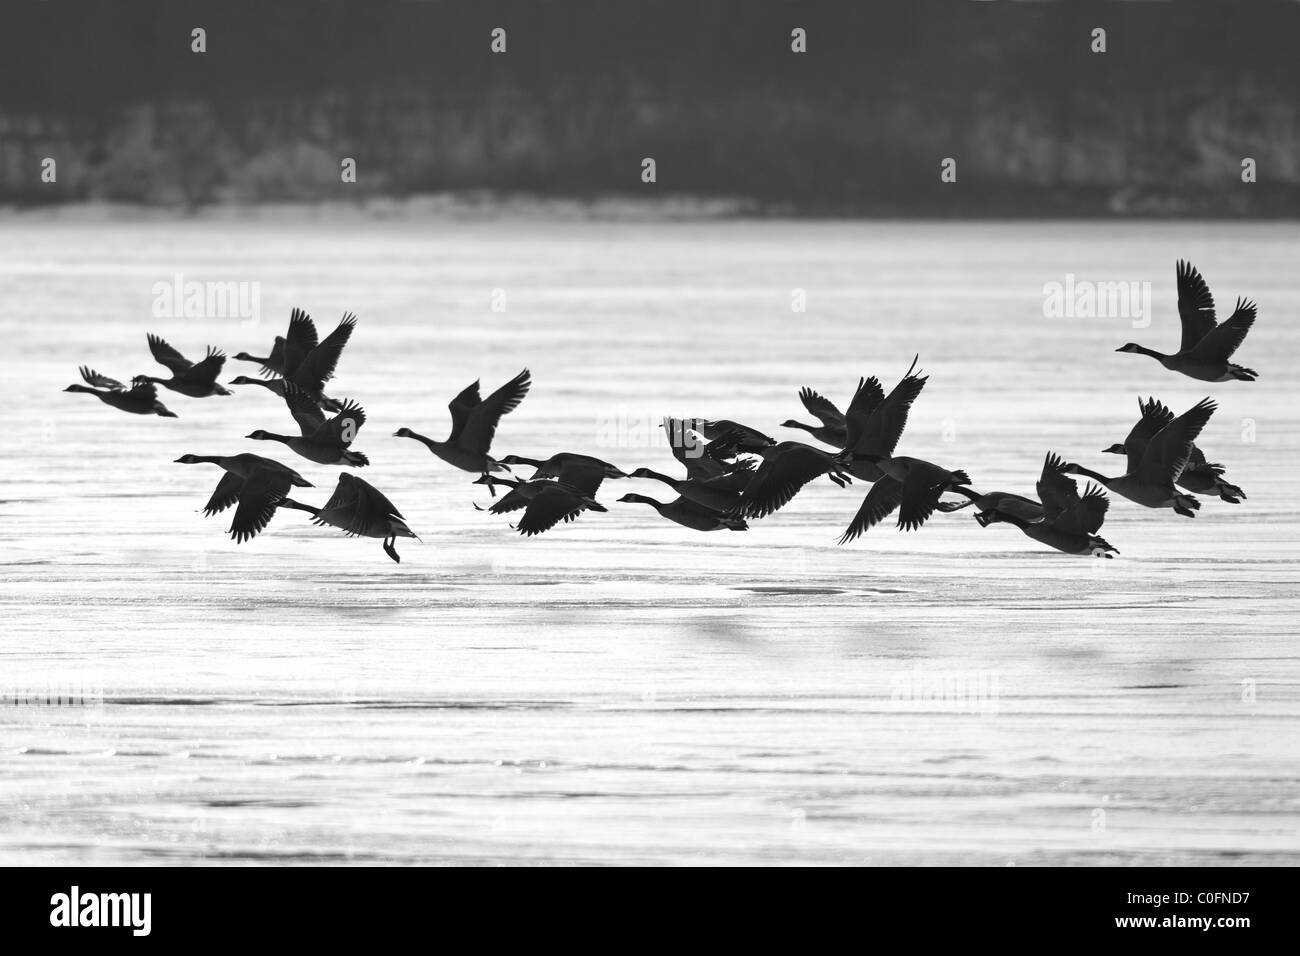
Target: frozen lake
[622,690]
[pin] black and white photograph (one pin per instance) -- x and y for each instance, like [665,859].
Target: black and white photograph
[649,433]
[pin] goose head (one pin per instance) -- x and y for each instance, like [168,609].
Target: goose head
[641,473]
[260,435]
[243,379]
[244,357]
[78,388]
[1115,449]
[187,460]
[403,433]
[637,499]
[1129,347]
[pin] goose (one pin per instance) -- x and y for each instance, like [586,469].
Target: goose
[258,484]
[474,425]
[1069,522]
[359,509]
[690,514]
[324,441]
[554,466]
[1199,476]
[315,368]
[197,380]
[786,467]
[874,421]
[702,459]
[140,399]
[1206,346]
[911,485]
[548,501]
[831,431]
[720,493]
[289,349]
[993,502]
[1150,482]
[742,437]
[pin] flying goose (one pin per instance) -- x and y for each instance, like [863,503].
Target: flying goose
[720,493]
[258,484]
[197,380]
[546,501]
[742,437]
[1199,475]
[911,485]
[831,431]
[986,505]
[324,441]
[1151,482]
[289,349]
[554,466]
[1206,346]
[140,399]
[1069,522]
[474,424]
[359,509]
[316,367]
[786,468]
[690,514]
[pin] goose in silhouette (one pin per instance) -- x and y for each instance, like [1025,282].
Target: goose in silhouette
[197,380]
[1151,482]
[474,424]
[720,493]
[359,509]
[289,349]
[324,441]
[911,485]
[986,505]
[548,501]
[874,421]
[554,466]
[140,399]
[786,467]
[1206,346]
[315,368]
[832,430]
[258,484]
[1069,522]
[739,436]
[690,514]
[1198,476]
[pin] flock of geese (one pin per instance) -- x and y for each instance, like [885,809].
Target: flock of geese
[734,473]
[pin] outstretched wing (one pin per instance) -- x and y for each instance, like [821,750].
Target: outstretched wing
[1086,515]
[1224,339]
[100,381]
[865,400]
[205,372]
[342,428]
[166,355]
[260,495]
[878,505]
[1195,305]
[884,426]
[582,476]
[303,408]
[318,366]
[1056,490]
[779,479]
[481,425]
[375,502]
[1155,416]
[921,490]
[823,408]
[1167,454]
[460,407]
[690,450]
[297,342]
[547,510]
[227,494]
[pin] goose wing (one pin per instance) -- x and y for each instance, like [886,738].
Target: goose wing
[481,424]
[691,452]
[865,399]
[260,495]
[460,407]
[547,510]
[297,342]
[206,371]
[512,500]
[273,367]
[304,410]
[100,381]
[1087,513]
[879,503]
[1056,490]
[1220,342]
[143,390]
[1195,305]
[920,494]
[317,367]
[374,500]
[164,354]
[822,408]
[780,477]
[1155,416]
[583,477]
[348,509]
[342,428]
[1167,454]
[227,494]
[884,427]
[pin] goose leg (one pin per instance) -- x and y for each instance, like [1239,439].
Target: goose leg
[491,487]
[390,550]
